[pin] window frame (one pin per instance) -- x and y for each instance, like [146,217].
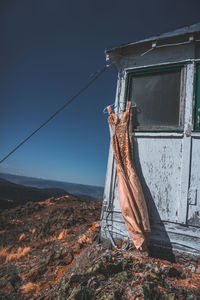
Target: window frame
[196,98]
[153,70]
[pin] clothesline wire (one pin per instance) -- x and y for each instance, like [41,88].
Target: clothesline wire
[85,87]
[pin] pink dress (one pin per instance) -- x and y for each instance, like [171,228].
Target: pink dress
[131,197]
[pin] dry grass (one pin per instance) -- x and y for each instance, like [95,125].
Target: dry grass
[22,237]
[20,253]
[63,234]
[9,256]
[188,283]
[49,239]
[4,252]
[33,230]
[29,287]
[90,234]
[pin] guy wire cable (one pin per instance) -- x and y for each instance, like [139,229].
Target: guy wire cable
[95,76]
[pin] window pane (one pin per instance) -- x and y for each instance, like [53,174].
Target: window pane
[157,98]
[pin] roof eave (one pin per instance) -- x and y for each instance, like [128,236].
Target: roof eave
[175,33]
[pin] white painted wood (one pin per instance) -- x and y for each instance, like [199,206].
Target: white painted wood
[163,64]
[158,134]
[194,190]
[110,181]
[186,239]
[157,56]
[167,163]
[186,144]
[195,134]
[110,165]
[158,164]
[182,230]
[168,227]
[109,178]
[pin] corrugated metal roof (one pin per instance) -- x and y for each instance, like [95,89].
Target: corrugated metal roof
[177,32]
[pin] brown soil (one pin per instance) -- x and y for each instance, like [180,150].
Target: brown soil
[49,250]
[37,240]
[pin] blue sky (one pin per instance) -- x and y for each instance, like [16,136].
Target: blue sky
[48,51]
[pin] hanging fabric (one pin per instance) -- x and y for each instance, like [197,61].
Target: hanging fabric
[131,197]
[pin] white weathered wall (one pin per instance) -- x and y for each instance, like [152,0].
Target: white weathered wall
[164,162]
[194,189]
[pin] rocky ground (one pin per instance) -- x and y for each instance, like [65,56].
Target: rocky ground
[50,250]
[38,239]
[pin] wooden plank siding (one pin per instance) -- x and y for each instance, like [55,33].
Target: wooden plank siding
[167,163]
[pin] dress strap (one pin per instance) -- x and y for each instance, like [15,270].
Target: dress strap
[128,106]
[109,110]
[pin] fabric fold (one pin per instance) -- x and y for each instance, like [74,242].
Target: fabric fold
[131,197]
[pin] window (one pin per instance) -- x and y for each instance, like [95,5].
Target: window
[157,96]
[197,102]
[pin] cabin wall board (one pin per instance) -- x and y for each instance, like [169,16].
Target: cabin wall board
[160,174]
[193,217]
[166,162]
[155,57]
[178,236]
[191,231]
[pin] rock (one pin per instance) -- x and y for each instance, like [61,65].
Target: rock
[192,268]
[125,265]
[197,269]
[6,286]
[191,296]
[58,254]
[76,248]
[138,292]
[37,271]
[37,225]
[97,268]
[122,276]
[173,272]
[130,292]
[65,287]
[6,296]
[80,293]
[76,278]
[150,276]
[115,267]
[172,296]
[50,257]
[75,293]
[108,296]
[92,283]
[101,277]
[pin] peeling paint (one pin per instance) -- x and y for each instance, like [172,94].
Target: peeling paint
[195,219]
[189,130]
[167,163]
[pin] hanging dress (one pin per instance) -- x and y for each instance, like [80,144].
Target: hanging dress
[131,197]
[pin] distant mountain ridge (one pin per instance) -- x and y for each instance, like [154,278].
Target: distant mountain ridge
[12,194]
[94,192]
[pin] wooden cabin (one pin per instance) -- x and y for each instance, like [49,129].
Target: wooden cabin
[161,77]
